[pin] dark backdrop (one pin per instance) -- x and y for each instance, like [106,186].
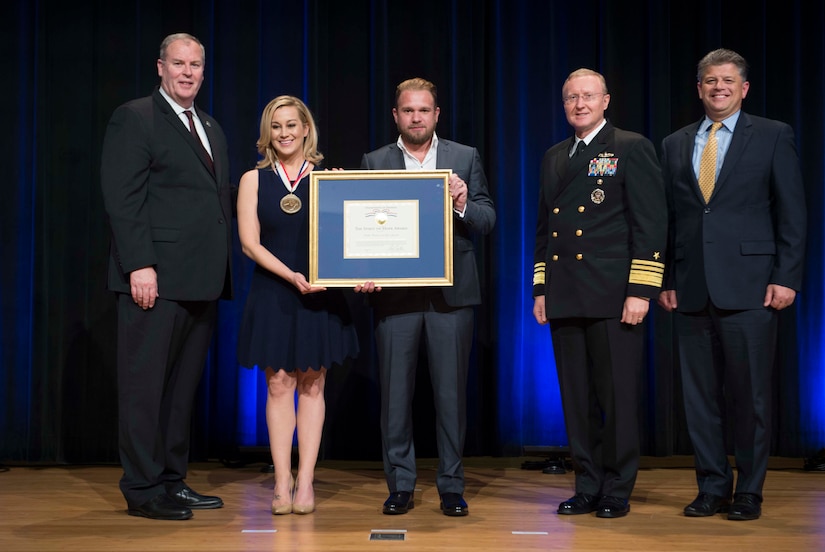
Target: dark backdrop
[499,65]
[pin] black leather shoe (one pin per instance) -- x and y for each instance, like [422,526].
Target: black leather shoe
[453,504]
[399,503]
[745,507]
[707,504]
[580,503]
[161,507]
[612,507]
[195,501]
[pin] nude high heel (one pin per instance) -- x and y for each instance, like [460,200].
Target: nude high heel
[283,504]
[304,508]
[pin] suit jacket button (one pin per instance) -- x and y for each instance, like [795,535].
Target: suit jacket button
[579,256]
[555,234]
[556,211]
[581,208]
[578,232]
[707,210]
[555,257]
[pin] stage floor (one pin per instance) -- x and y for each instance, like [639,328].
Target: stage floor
[511,509]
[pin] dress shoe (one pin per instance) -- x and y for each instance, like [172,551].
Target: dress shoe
[612,507]
[453,504]
[745,507]
[161,507]
[185,496]
[707,504]
[580,503]
[399,503]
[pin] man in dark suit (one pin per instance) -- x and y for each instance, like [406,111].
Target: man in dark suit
[165,182]
[440,317]
[737,242]
[600,237]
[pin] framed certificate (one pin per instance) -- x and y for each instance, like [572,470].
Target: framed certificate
[394,228]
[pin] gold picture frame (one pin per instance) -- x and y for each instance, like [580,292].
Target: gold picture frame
[391,227]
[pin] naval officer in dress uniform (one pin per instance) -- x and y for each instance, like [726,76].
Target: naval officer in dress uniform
[600,239]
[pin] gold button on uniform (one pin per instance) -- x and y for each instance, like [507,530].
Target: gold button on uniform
[579,256]
[581,208]
[578,232]
[556,211]
[555,234]
[599,181]
[555,257]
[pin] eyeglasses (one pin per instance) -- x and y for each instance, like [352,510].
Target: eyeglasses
[574,98]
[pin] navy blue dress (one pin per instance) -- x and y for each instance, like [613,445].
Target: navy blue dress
[280,327]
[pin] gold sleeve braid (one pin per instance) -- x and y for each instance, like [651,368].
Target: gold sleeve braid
[646,273]
[539,273]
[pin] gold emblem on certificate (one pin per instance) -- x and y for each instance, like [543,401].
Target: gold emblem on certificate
[597,196]
[290,204]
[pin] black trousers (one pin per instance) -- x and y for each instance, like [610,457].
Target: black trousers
[599,362]
[161,354]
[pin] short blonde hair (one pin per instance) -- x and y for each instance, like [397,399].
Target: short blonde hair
[416,84]
[584,72]
[265,148]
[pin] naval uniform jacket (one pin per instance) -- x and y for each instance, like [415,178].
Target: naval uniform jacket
[602,226]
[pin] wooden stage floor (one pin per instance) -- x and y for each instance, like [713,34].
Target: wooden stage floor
[511,509]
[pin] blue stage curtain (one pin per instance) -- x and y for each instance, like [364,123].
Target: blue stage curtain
[499,66]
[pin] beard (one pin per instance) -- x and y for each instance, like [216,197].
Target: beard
[417,138]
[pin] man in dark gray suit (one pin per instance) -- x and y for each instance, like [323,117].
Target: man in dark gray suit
[441,317]
[737,243]
[165,182]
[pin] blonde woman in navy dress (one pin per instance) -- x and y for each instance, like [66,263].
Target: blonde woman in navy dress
[291,330]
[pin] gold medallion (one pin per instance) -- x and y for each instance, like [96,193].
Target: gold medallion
[290,204]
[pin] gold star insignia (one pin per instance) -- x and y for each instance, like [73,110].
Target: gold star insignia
[656,255]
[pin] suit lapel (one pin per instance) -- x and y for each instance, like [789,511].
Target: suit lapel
[443,156]
[688,143]
[741,136]
[395,158]
[210,135]
[177,124]
[565,168]
[199,149]
[563,160]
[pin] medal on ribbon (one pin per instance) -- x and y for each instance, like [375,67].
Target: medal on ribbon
[291,203]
